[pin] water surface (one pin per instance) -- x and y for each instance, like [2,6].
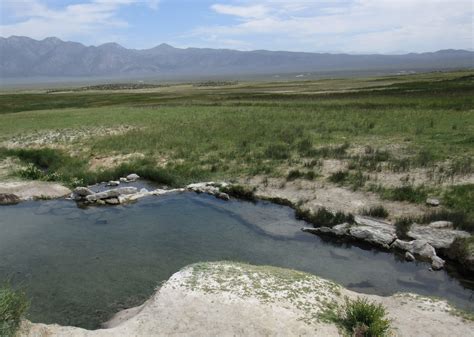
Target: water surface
[79,266]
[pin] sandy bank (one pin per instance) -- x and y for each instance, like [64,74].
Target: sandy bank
[233,299]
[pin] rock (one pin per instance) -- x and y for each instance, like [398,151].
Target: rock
[112,201]
[418,247]
[373,231]
[100,202]
[409,257]
[144,190]
[223,196]
[338,230]
[441,224]
[113,183]
[462,251]
[82,191]
[436,234]
[432,202]
[9,199]
[123,180]
[437,263]
[133,177]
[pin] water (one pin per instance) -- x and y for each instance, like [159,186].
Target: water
[79,266]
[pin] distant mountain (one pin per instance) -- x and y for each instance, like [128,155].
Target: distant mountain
[23,57]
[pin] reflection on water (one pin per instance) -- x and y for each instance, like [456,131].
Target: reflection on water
[79,266]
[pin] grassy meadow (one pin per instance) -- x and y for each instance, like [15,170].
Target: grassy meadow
[184,133]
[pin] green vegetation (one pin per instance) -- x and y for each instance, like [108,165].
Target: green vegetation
[365,319]
[402,227]
[186,133]
[240,192]
[13,305]
[323,217]
[376,211]
[408,193]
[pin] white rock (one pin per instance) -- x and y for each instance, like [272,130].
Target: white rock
[417,247]
[432,202]
[113,183]
[123,180]
[133,177]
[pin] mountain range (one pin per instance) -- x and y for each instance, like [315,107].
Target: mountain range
[23,57]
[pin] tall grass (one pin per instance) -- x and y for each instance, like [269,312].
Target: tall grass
[362,318]
[13,305]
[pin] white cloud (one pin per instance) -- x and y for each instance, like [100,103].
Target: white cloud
[241,11]
[93,18]
[349,25]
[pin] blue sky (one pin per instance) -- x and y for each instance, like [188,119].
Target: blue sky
[356,26]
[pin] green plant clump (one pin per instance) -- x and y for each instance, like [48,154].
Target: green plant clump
[376,211]
[323,217]
[364,318]
[240,192]
[13,305]
[402,227]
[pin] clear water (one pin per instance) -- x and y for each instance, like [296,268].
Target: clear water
[79,266]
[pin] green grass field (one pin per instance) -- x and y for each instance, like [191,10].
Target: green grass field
[189,133]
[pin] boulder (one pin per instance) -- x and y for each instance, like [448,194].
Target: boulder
[432,202]
[9,199]
[133,177]
[123,180]
[418,247]
[373,231]
[436,235]
[113,183]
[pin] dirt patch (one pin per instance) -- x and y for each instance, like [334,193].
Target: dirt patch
[62,137]
[316,194]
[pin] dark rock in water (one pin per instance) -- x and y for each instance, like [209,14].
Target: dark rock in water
[9,199]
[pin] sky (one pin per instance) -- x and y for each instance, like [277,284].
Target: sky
[351,26]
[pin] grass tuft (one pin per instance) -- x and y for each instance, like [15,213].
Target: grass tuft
[240,192]
[364,318]
[376,211]
[323,217]
[13,305]
[402,227]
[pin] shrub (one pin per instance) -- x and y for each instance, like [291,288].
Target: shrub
[364,318]
[376,211]
[240,192]
[13,305]
[323,217]
[459,219]
[402,227]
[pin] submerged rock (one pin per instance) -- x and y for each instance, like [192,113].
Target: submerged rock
[9,199]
